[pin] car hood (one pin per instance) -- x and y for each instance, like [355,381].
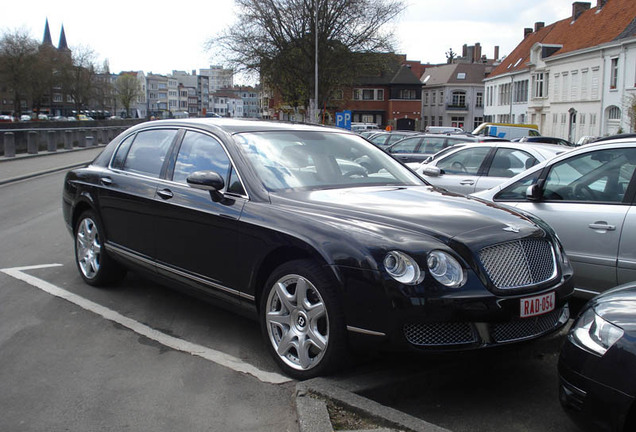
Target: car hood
[418,209]
[618,306]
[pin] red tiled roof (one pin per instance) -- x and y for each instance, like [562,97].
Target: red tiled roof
[593,27]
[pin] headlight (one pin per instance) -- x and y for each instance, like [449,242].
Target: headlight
[403,268]
[446,269]
[592,333]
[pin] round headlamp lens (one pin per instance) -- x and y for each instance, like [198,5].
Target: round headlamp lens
[446,269]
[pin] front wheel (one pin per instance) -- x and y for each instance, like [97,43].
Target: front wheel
[93,263]
[302,320]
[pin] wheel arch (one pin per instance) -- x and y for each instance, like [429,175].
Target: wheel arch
[278,257]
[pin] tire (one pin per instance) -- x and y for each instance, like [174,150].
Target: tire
[302,320]
[91,258]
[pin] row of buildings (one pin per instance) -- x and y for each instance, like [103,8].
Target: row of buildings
[572,78]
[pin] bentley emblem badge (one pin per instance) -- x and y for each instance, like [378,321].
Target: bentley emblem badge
[512,228]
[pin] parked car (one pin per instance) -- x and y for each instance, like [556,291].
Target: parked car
[25,117]
[597,365]
[415,149]
[508,131]
[587,195]
[586,140]
[361,127]
[480,166]
[6,118]
[546,140]
[384,139]
[281,221]
[443,129]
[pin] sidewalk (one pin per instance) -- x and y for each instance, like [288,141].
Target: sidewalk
[24,166]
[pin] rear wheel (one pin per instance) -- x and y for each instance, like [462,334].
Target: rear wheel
[93,262]
[302,320]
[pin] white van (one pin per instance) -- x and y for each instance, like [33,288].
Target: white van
[506,130]
[361,127]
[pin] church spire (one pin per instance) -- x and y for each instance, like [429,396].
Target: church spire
[46,40]
[63,46]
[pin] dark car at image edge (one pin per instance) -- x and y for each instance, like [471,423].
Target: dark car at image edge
[322,236]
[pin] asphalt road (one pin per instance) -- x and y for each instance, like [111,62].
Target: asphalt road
[139,356]
[64,367]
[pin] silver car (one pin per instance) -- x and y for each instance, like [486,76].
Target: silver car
[476,167]
[587,196]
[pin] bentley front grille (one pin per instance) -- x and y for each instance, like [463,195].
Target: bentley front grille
[519,263]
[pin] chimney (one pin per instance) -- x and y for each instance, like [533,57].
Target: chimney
[464,50]
[477,57]
[471,54]
[526,32]
[578,8]
[496,52]
[600,3]
[538,26]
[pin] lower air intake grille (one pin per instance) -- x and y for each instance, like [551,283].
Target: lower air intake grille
[519,263]
[437,334]
[526,327]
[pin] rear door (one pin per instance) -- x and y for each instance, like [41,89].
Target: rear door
[460,170]
[128,191]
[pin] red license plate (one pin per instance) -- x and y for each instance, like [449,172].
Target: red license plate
[533,306]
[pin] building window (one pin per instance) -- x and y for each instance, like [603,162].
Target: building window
[457,122]
[540,85]
[426,98]
[459,99]
[441,99]
[614,113]
[520,91]
[407,94]
[477,121]
[614,73]
[479,100]
[368,94]
[441,120]
[433,96]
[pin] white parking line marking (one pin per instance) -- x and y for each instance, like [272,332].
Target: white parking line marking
[164,339]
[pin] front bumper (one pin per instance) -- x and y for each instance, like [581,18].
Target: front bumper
[592,405]
[386,313]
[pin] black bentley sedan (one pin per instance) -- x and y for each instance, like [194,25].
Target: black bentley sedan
[324,237]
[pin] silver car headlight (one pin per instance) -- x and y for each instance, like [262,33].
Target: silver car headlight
[403,268]
[446,269]
[593,334]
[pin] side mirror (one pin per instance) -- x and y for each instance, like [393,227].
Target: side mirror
[432,171]
[207,180]
[534,193]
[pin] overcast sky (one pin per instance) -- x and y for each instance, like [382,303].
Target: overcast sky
[163,36]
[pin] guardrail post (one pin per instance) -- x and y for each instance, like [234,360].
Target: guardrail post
[51,145]
[82,138]
[90,141]
[9,144]
[32,142]
[68,140]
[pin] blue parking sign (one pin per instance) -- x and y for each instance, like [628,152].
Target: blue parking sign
[343,119]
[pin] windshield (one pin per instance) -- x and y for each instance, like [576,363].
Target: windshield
[301,159]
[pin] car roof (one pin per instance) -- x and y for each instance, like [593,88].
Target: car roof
[232,125]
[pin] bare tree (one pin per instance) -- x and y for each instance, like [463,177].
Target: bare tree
[128,89]
[18,57]
[78,76]
[275,39]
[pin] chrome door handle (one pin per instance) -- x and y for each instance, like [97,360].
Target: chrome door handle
[165,193]
[467,182]
[602,226]
[107,181]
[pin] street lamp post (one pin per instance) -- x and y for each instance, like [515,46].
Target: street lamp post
[315,113]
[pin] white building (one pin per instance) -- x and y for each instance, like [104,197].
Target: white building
[572,78]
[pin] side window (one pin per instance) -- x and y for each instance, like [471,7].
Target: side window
[599,176]
[510,162]
[200,152]
[148,151]
[235,185]
[122,151]
[406,146]
[466,161]
[432,145]
[517,190]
